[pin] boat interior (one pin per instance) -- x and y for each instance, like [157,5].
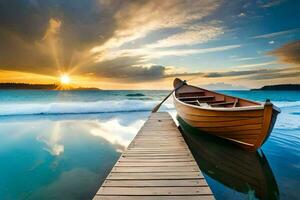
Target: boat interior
[204,98]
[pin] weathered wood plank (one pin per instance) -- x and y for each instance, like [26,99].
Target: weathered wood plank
[156,157]
[154,175]
[156,183]
[155,164]
[156,150]
[155,169]
[154,154]
[153,151]
[163,160]
[195,197]
[151,148]
[155,144]
[158,139]
[169,191]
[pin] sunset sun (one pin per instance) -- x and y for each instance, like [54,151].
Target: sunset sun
[65,79]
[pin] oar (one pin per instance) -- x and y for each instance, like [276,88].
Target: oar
[155,109]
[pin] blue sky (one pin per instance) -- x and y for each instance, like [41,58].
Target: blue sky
[145,44]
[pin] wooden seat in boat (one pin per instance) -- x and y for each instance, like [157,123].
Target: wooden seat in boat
[191,94]
[196,97]
[196,102]
[222,103]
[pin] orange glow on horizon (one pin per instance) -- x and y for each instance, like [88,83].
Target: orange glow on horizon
[114,84]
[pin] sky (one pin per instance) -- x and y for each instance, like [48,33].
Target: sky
[145,44]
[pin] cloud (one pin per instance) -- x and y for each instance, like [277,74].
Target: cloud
[53,29]
[276,34]
[138,18]
[270,3]
[43,34]
[245,59]
[271,75]
[125,68]
[129,64]
[255,65]
[257,74]
[150,53]
[233,73]
[197,35]
[237,75]
[242,14]
[49,37]
[288,53]
[184,74]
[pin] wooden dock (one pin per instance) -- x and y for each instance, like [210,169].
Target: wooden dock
[156,165]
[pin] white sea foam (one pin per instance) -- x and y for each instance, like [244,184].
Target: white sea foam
[79,107]
[284,104]
[289,117]
[287,121]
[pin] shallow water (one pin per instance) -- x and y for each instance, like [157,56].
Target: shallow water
[61,145]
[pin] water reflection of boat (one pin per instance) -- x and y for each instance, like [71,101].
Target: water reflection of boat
[239,170]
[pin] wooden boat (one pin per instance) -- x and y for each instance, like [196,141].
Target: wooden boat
[244,122]
[245,172]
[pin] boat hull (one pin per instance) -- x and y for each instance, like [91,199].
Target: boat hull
[248,128]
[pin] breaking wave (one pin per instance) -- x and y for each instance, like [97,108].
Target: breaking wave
[79,107]
[287,119]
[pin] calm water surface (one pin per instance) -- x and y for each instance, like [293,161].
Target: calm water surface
[61,145]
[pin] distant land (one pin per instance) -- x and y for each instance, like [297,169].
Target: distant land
[280,87]
[223,86]
[27,86]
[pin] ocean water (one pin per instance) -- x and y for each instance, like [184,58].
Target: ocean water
[62,144]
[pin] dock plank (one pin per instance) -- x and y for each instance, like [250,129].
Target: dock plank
[155,169]
[153,175]
[156,165]
[157,183]
[169,191]
[198,197]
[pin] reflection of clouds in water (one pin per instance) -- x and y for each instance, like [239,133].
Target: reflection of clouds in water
[128,119]
[116,133]
[52,142]
[69,185]
[117,130]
